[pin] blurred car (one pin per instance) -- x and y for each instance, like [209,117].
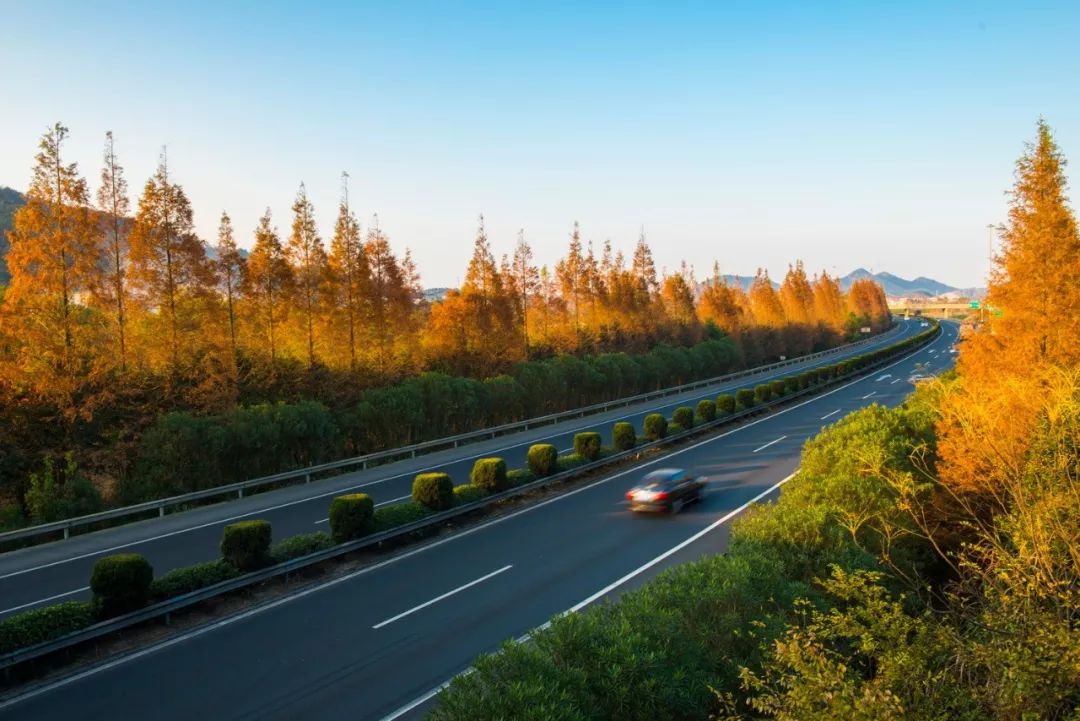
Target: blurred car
[666,490]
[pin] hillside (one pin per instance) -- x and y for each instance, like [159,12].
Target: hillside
[10,201]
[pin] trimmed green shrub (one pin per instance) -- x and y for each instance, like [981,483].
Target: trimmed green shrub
[744,397]
[467,493]
[674,429]
[183,580]
[570,460]
[623,436]
[434,490]
[300,545]
[725,403]
[655,426]
[706,411]
[39,625]
[520,476]
[587,445]
[777,387]
[683,416]
[489,473]
[792,384]
[120,584]
[543,459]
[246,544]
[762,393]
[351,516]
[399,514]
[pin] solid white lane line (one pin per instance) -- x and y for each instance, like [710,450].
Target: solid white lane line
[306,499]
[599,594]
[868,395]
[448,594]
[887,375]
[830,414]
[46,688]
[769,444]
[45,600]
[377,505]
[896,381]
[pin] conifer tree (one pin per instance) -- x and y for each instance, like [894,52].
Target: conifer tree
[168,261]
[571,274]
[231,273]
[829,302]
[114,206]
[524,277]
[643,266]
[720,305]
[390,304]
[308,259]
[53,261]
[350,273]
[269,281]
[1037,272]
[764,303]
[796,295]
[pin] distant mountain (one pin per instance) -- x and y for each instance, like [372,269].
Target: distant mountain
[435,294]
[744,281]
[10,201]
[920,287]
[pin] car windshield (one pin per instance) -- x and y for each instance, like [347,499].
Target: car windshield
[660,478]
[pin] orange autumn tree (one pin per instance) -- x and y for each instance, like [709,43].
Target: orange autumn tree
[53,262]
[1008,368]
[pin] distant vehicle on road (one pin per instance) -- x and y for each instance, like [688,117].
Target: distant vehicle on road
[924,324]
[667,490]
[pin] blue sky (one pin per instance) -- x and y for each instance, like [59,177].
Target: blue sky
[846,134]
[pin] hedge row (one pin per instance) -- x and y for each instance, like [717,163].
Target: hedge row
[125,582]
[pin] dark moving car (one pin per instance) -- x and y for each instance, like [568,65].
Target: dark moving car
[666,490]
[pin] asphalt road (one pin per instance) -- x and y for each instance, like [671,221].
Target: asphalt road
[60,571]
[368,645]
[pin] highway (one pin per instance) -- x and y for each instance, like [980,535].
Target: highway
[60,571]
[374,644]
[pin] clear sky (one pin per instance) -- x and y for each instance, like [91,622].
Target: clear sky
[846,134]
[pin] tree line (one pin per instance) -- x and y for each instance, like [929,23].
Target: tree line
[116,313]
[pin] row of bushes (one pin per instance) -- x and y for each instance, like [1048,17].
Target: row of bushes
[125,582]
[182,452]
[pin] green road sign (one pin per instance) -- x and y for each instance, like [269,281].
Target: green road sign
[974,304]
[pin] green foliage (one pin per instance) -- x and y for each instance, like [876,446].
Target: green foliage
[683,416]
[777,387]
[434,490]
[489,473]
[520,476]
[744,397]
[120,584]
[655,427]
[543,458]
[570,461]
[399,514]
[725,403]
[58,493]
[300,545]
[246,544]
[39,625]
[587,445]
[792,384]
[652,655]
[706,411]
[762,393]
[351,516]
[623,436]
[468,493]
[187,579]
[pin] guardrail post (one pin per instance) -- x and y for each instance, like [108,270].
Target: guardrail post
[307,478]
[67,532]
[239,492]
[161,511]
[412,453]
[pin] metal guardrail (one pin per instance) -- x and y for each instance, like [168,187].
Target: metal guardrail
[164,608]
[160,505]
